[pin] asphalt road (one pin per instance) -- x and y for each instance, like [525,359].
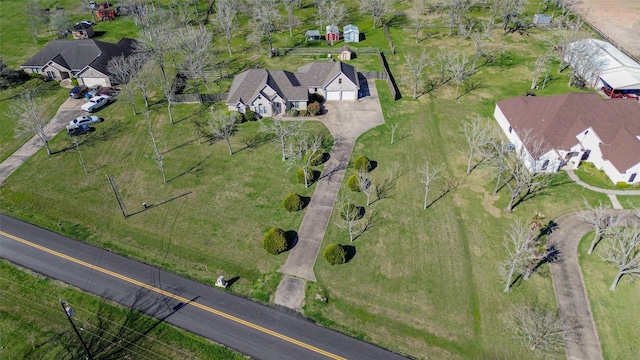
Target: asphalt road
[256,330]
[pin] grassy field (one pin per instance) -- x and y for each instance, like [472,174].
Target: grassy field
[33,325]
[424,283]
[615,312]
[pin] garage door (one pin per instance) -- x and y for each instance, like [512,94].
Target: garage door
[94,81]
[349,95]
[333,95]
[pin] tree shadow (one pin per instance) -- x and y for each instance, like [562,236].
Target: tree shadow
[349,252]
[373,165]
[360,212]
[292,238]
[369,224]
[180,146]
[255,140]
[450,185]
[194,169]
[471,84]
[305,200]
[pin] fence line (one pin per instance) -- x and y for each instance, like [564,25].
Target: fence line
[199,98]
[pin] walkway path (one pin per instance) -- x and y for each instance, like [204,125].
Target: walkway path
[69,110]
[346,121]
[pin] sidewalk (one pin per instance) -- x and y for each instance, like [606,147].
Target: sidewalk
[611,193]
[69,110]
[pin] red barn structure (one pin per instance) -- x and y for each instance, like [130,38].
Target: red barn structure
[333,33]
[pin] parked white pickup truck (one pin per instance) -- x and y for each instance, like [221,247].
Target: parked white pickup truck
[96,103]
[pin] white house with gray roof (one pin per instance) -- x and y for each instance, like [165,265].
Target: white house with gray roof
[84,59]
[273,92]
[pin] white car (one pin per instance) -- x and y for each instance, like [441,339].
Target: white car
[96,103]
[86,120]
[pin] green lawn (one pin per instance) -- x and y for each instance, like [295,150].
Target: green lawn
[424,283]
[34,326]
[615,312]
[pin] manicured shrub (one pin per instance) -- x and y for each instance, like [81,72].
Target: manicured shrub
[274,241]
[362,163]
[293,112]
[74,81]
[314,108]
[250,115]
[353,183]
[334,254]
[303,113]
[349,210]
[293,202]
[315,97]
[300,176]
[622,185]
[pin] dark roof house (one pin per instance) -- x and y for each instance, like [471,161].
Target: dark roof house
[84,59]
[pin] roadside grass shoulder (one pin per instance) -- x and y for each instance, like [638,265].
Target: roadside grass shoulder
[615,312]
[33,325]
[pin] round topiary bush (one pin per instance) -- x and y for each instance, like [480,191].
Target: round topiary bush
[362,163]
[314,157]
[302,113]
[293,112]
[334,254]
[315,97]
[300,176]
[314,108]
[349,210]
[292,202]
[353,184]
[274,241]
[249,115]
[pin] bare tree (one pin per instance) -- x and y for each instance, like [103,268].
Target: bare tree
[525,179]
[196,44]
[30,112]
[37,18]
[335,13]
[598,217]
[508,10]
[441,63]
[364,184]
[123,69]
[476,35]
[540,330]
[290,6]
[540,66]
[393,128]
[416,66]
[498,157]
[169,91]
[349,214]
[622,248]
[143,80]
[157,39]
[304,153]
[519,243]
[479,135]
[568,35]
[458,69]
[266,21]
[226,14]
[158,155]
[283,130]
[59,22]
[321,12]
[456,10]
[417,22]
[585,59]
[429,174]
[222,126]
[76,144]
[378,9]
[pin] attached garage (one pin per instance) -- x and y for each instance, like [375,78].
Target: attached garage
[333,95]
[337,95]
[91,81]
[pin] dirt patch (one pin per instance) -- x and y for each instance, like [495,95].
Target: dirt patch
[618,19]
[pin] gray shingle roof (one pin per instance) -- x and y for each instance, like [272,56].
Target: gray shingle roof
[76,54]
[290,86]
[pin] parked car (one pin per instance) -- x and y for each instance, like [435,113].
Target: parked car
[86,120]
[109,91]
[74,130]
[96,103]
[78,92]
[93,91]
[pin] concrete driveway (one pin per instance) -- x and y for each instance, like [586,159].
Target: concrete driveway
[346,121]
[69,110]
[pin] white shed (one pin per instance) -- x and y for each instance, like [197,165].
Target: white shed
[351,33]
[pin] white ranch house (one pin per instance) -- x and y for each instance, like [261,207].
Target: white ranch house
[574,128]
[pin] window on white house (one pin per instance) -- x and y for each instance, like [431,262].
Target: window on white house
[586,132]
[340,81]
[510,129]
[545,164]
[632,178]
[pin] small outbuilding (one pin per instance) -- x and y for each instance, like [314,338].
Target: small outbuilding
[345,54]
[82,30]
[541,19]
[351,33]
[332,33]
[312,35]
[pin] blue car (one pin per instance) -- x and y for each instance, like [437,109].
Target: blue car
[78,92]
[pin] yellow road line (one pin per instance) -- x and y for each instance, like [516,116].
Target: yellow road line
[174,296]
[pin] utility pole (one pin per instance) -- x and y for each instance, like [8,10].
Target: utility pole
[69,312]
